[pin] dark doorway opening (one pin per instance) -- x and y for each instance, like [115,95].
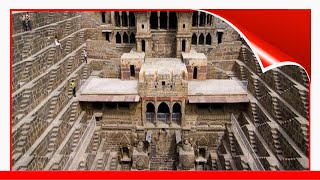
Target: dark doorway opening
[183,45]
[143,44]
[219,34]
[125,38]
[208,39]
[118,38]
[103,17]
[132,19]
[124,19]
[195,72]
[163,20]
[132,38]
[132,71]
[201,39]
[195,19]
[154,20]
[172,20]
[117,18]
[194,39]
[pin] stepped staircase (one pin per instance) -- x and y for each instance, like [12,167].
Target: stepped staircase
[52,141]
[52,108]
[255,113]
[73,114]
[252,140]
[26,73]
[277,110]
[243,73]
[276,142]
[27,46]
[52,80]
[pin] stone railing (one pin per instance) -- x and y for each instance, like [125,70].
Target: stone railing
[253,159]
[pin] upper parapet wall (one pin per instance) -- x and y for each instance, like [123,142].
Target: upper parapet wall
[39,19]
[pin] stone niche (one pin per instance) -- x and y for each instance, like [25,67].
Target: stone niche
[131,64]
[196,64]
[140,158]
[186,156]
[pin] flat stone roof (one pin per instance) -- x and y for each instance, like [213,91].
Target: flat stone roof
[192,55]
[133,55]
[163,66]
[110,86]
[214,87]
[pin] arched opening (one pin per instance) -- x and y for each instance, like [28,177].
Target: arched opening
[219,36]
[208,39]
[117,18]
[172,20]
[125,153]
[132,38]
[150,112]
[124,19]
[163,108]
[118,38]
[153,20]
[176,113]
[176,108]
[125,38]
[150,108]
[163,114]
[183,45]
[195,18]
[103,17]
[202,19]
[194,39]
[201,39]
[132,19]
[195,72]
[143,45]
[163,20]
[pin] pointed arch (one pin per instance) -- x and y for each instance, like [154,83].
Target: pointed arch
[118,38]
[201,39]
[132,38]
[208,39]
[125,38]
[194,39]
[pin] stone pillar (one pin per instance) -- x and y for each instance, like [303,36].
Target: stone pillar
[120,14]
[171,109]
[143,113]
[183,110]
[168,20]
[138,41]
[158,14]
[155,112]
[121,35]
[128,22]
[198,19]
[112,18]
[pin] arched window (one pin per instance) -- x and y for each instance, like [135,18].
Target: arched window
[125,38]
[132,38]
[118,38]
[201,39]
[153,20]
[150,108]
[176,108]
[163,108]
[194,39]
[219,36]
[163,20]
[208,39]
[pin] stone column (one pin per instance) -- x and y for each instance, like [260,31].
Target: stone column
[155,112]
[112,18]
[183,110]
[170,122]
[168,19]
[158,14]
[128,21]
[120,14]
[121,36]
[198,19]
